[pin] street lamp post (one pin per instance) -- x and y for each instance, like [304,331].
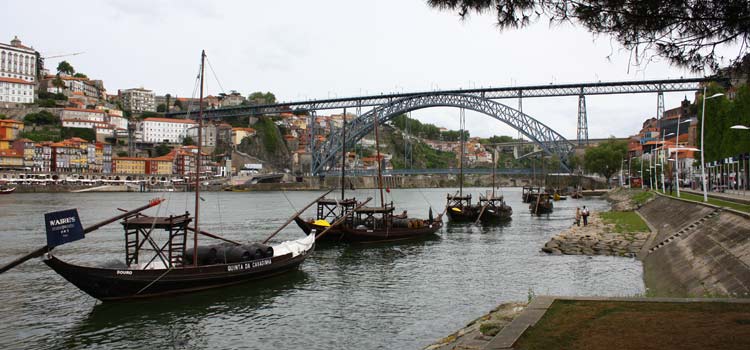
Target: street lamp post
[663,158]
[677,156]
[641,174]
[742,165]
[703,148]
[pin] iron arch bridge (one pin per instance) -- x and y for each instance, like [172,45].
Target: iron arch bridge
[550,141]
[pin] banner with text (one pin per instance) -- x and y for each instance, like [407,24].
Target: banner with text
[63,227]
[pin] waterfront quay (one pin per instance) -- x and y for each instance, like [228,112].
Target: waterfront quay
[695,269]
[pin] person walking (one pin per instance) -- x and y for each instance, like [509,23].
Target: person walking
[578,216]
[585,215]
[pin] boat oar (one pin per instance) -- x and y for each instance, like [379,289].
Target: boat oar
[39,252]
[192,229]
[446,207]
[360,205]
[298,213]
[481,212]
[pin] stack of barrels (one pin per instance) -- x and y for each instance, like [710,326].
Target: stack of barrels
[409,223]
[228,253]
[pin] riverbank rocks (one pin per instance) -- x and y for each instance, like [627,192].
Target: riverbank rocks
[479,332]
[597,238]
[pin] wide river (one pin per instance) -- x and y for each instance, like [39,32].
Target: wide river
[395,296]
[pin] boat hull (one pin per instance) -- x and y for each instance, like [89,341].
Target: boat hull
[8,190]
[307,227]
[108,284]
[497,215]
[393,234]
[467,214]
[347,234]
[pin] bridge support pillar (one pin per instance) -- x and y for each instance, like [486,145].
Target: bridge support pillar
[659,105]
[583,127]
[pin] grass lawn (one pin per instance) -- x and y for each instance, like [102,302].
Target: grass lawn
[615,325]
[625,221]
[641,197]
[714,201]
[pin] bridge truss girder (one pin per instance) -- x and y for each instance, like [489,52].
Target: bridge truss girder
[549,140]
[606,88]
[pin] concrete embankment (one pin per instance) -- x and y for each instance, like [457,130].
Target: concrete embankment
[697,250]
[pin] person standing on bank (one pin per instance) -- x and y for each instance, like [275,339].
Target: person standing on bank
[585,215]
[578,216]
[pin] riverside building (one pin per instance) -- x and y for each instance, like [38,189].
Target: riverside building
[137,100]
[168,130]
[18,61]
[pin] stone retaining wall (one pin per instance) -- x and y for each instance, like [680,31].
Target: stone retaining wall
[698,250]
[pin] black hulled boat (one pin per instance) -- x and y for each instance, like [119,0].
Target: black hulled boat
[157,262]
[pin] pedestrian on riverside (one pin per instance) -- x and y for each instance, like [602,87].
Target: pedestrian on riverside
[578,216]
[585,215]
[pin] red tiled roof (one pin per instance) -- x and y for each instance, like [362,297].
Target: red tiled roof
[84,110]
[14,80]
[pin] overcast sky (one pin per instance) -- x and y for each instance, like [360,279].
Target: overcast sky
[337,48]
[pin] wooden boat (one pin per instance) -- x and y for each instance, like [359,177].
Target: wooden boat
[458,206]
[157,262]
[158,279]
[379,225]
[494,209]
[529,193]
[346,220]
[541,205]
[460,209]
[7,190]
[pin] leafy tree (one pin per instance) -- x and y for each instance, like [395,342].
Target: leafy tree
[66,68]
[162,149]
[260,98]
[161,108]
[80,75]
[84,133]
[41,118]
[686,32]
[178,103]
[148,114]
[606,158]
[58,82]
[122,154]
[721,114]
[454,135]
[500,139]
[188,141]
[49,103]
[2,116]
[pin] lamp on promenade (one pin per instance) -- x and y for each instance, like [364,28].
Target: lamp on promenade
[663,157]
[703,150]
[677,155]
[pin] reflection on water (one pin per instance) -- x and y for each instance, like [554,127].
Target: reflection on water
[374,296]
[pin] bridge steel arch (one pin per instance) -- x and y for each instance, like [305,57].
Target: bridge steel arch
[549,140]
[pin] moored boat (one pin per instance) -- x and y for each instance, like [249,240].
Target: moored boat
[157,261]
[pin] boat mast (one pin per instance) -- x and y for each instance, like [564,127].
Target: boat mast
[343,154]
[461,162]
[198,164]
[494,165]
[377,151]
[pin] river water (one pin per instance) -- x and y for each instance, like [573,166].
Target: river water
[395,296]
